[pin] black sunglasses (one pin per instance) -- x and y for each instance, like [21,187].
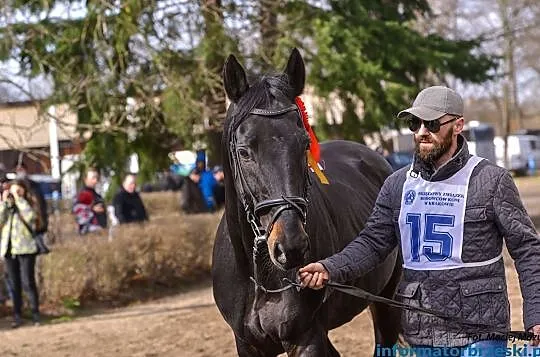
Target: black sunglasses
[432,125]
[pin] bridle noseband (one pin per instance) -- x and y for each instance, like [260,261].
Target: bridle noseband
[253,209]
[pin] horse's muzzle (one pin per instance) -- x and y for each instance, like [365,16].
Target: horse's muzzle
[288,244]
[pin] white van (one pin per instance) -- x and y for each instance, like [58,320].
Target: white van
[521,149]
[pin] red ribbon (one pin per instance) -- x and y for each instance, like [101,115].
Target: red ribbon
[314,146]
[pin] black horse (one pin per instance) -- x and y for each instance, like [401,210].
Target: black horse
[278,217]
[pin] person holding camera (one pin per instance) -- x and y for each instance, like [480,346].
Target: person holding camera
[34,191]
[19,219]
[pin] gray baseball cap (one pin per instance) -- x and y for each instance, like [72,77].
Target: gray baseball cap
[434,102]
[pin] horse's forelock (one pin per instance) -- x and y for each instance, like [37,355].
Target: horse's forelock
[261,94]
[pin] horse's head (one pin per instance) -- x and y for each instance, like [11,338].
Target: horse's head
[267,145]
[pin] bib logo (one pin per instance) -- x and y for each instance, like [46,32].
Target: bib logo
[409,197]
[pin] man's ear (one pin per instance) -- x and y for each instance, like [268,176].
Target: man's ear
[459,125]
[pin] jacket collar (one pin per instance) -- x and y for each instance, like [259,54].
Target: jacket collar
[456,163]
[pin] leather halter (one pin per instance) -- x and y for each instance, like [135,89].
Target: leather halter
[253,209]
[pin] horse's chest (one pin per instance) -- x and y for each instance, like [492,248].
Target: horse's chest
[279,318]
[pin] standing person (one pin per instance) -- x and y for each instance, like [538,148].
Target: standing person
[449,212]
[207,183]
[89,208]
[128,205]
[191,198]
[35,191]
[219,187]
[198,188]
[19,220]
[4,185]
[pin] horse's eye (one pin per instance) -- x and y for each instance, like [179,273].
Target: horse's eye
[243,153]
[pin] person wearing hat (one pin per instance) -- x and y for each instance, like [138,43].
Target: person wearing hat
[198,188]
[206,181]
[449,212]
[219,187]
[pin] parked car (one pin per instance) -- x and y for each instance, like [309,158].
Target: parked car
[399,159]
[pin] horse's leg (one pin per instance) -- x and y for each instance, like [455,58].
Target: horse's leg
[387,326]
[314,342]
[244,349]
[386,319]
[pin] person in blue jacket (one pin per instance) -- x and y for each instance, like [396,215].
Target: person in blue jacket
[205,180]
[207,184]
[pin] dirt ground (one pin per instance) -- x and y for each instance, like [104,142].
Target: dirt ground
[189,324]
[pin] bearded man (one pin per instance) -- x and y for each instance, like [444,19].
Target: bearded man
[449,212]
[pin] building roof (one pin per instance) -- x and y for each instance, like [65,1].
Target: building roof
[21,127]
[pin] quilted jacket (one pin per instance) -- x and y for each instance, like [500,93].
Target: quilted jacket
[493,211]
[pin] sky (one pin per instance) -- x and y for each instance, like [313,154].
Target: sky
[482,17]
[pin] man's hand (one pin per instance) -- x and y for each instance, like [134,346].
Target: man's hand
[536,331]
[314,276]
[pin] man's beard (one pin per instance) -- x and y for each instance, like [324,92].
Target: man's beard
[438,150]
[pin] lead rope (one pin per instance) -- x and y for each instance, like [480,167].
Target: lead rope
[363,294]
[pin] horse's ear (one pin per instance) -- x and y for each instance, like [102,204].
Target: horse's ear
[296,71]
[234,79]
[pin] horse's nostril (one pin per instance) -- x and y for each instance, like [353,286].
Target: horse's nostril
[279,253]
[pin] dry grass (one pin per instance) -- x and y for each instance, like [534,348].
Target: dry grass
[159,203]
[135,262]
[138,260]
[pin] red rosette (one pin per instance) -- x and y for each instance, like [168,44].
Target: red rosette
[314,146]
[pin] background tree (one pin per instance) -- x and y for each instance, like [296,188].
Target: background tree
[130,69]
[145,76]
[372,54]
[510,30]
